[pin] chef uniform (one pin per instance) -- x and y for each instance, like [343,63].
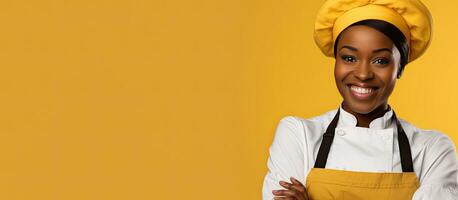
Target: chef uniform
[392,159]
[374,152]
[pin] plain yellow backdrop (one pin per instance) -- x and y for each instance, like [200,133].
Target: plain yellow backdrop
[139,99]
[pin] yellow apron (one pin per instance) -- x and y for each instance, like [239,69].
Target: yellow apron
[327,184]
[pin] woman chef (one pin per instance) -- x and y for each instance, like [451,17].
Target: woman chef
[362,150]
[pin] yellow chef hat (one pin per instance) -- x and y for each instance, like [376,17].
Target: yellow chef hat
[411,17]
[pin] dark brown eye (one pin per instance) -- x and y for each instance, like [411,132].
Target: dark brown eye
[349,59]
[382,61]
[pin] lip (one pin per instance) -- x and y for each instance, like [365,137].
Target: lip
[362,96]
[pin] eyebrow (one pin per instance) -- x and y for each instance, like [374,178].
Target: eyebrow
[382,49]
[374,51]
[349,47]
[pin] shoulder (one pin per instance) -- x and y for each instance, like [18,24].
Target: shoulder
[434,155]
[297,121]
[302,127]
[426,138]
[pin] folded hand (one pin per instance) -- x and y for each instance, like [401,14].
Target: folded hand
[294,191]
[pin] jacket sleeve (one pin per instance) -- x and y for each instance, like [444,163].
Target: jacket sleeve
[439,171]
[286,156]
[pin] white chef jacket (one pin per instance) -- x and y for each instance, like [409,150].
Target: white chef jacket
[374,149]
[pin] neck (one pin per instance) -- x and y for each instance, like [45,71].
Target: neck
[365,119]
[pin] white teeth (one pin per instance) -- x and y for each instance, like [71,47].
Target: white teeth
[361,89]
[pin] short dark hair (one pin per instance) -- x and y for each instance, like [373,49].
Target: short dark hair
[392,32]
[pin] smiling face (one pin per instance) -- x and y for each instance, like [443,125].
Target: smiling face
[365,68]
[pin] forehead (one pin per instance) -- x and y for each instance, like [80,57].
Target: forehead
[364,36]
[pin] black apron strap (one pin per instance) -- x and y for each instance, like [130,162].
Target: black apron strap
[404,147]
[328,137]
[326,142]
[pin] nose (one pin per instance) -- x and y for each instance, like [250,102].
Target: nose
[364,71]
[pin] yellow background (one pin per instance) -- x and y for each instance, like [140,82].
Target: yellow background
[164,99]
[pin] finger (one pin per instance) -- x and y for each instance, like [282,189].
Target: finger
[295,181]
[285,193]
[297,186]
[299,189]
[284,198]
[285,184]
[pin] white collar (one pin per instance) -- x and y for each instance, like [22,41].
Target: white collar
[347,119]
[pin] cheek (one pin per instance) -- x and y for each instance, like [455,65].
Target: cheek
[388,77]
[340,72]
